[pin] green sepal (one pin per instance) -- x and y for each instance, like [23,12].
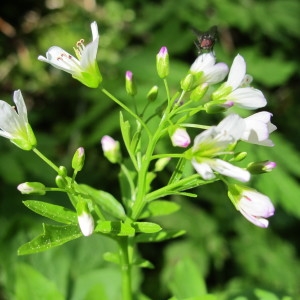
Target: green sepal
[159,208]
[163,235]
[105,200]
[146,227]
[52,211]
[115,228]
[52,236]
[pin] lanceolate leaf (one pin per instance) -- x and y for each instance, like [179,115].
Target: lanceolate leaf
[53,212]
[52,236]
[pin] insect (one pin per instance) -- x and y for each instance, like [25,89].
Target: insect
[206,40]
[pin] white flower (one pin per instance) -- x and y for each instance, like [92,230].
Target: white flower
[180,138]
[258,128]
[83,68]
[214,142]
[254,206]
[14,124]
[207,70]
[233,92]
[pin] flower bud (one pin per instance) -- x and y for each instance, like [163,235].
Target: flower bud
[161,163]
[214,107]
[111,149]
[32,188]
[62,171]
[61,182]
[239,156]
[78,159]
[187,82]
[130,84]
[261,167]
[180,138]
[199,92]
[162,63]
[254,206]
[85,219]
[152,94]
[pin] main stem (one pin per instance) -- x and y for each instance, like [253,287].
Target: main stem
[125,268]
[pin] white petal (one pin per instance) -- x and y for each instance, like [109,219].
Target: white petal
[261,222]
[227,169]
[53,55]
[203,169]
[21,107]
[202,62]
[216,73]
[248,98]
[237,72]
[233,125]
[9,120]
[89,54]
[94,28]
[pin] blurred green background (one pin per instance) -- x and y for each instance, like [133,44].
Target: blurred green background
[233,255]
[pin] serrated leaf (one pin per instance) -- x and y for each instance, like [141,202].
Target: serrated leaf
[115,228]
[52,236]
[146,227]
[163,235]
[160,208]
[105,200]
[54,212]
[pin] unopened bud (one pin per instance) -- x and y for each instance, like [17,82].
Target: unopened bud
[180,138]
[111,149]
[261,167]
[239,156]
[61,182]
[214,107]
[85,219]
[187,82]
[152,94]
[162,63]
[130,84]
[32,188]
[62,171]
[78,159]
[199,92]
[161,163]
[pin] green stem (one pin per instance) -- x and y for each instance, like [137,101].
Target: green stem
[125,269]
[112,97]
[45,159]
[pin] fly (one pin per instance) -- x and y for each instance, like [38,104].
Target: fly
[206,40]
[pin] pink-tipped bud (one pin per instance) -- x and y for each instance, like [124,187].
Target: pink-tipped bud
[111,149]
[130,84]
[162,63]
[180,138]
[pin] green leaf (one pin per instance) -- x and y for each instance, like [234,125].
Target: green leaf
[115,228]
[105,200]
[30,284]
[187,281]
[51,211]
[159,236]
[146,227]
[160,208]
[52,236]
